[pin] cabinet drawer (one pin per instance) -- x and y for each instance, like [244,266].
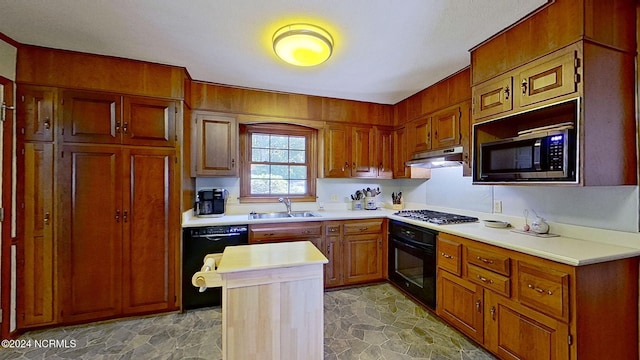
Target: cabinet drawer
[498,283]
[268,232]
[363,227]
[544,289]
[332,229]
[489,260]
[449,253]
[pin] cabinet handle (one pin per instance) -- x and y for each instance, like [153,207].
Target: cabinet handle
[332,229]
[486,261]
[46,218]
[484,279]
[506,93]
[353,165]
[493,313]
[117,127]
[124,216]
[306,231]
[479,305]
[364,228]
[47,123]
[269,234]
[345,166]
[233,163]
[539,290]
[524,86]
[125,127]
[117,216]
[446,256]
[435,134]
[381,167]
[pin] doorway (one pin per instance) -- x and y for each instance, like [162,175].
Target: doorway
[6,201]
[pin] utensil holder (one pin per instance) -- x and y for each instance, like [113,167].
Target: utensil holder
[357,205]
[370,203]
[397,206]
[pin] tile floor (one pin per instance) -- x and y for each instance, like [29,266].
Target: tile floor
[371,322]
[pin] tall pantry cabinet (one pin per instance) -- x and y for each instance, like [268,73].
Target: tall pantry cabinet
[113,177]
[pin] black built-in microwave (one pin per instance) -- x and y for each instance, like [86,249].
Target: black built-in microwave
[541,155]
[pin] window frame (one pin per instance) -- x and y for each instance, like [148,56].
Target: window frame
[311,146]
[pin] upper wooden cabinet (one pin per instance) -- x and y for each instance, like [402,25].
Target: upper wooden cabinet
[446,128]
[540,81]
[216,145]
[357,151]
[92,117]
[36,112]
[419,135]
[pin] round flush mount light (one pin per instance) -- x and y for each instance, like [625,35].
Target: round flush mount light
[302,44]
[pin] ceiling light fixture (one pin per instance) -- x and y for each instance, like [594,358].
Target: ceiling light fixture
[302,44]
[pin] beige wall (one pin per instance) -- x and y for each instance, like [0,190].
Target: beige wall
[8,56]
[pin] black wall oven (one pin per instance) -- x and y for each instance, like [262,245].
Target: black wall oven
[412,261]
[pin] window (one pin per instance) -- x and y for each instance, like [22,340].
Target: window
[279,160]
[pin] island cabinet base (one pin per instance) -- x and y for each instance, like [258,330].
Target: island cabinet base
[273,313]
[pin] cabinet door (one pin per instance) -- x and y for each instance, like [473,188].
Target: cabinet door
[150,122]
[363,154]
[149,230]
[91,117]
[460,303]
[384,145]
[363,258]
[446,128]
[549,77]
[493,97]
[420,132]
[91,232]
[514,332]
[217,145]
[37,286]
[400,154]
[333,269]
[35,113]
[337,151]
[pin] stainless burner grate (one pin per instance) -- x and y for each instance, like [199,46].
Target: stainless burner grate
[436,217]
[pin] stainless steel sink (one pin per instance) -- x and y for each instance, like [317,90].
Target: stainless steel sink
[283,214]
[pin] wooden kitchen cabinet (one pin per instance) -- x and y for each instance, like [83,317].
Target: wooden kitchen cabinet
[419,134]
[445,126]
[117,244]
[105,118]
[216,145]
[333,252]
[90,222]
[281,232]
[519,306]
[401,153]
[363,250]
[36,112]
[149,252]
[540,81]
[350,151]
[385,147]
[36,290]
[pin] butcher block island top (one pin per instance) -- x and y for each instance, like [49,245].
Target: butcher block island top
[272,301]
[269,256]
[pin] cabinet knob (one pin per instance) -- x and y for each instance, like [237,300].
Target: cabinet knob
[117,127]
[47,216]
[506,93]
[47,123]
[524,85]
[125,216]
[117,216]
[233,163]
[365,228]
[484,279]
[479,305]
[493,313]
[125,127]
[539,290]
[446,256]
[486,261]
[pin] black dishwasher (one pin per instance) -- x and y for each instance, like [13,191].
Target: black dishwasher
[198,242]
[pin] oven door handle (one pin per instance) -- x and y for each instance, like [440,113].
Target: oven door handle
[215,237]
[414,245]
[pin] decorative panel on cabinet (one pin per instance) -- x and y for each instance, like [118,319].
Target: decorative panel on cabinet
[38,283]
[445,127]
[384,145]
[216,142]
[149,121]
[91,117]
[493,97]
[36,114]
[363,154]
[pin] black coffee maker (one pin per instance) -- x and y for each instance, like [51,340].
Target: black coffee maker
[210,202]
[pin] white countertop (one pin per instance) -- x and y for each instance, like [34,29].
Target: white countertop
[563,249]
[269,256]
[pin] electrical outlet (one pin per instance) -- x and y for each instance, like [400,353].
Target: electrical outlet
[334,197]
[497,207]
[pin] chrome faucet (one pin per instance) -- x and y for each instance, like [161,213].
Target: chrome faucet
[287,203]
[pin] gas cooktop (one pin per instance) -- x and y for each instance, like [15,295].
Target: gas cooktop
[436,217]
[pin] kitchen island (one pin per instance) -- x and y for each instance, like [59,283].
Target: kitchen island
[272,301]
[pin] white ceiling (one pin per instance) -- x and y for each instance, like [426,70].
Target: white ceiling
[385,50]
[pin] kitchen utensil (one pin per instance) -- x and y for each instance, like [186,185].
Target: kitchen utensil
[526,220]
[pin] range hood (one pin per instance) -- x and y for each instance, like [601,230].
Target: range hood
[437,158]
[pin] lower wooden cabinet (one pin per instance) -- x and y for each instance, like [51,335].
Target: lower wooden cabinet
[356,249]
[37,286]
[519,306]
